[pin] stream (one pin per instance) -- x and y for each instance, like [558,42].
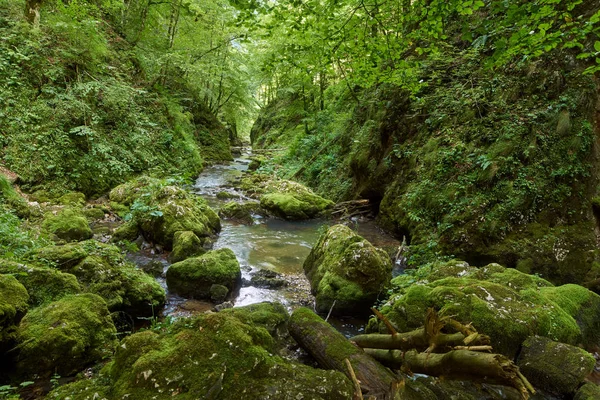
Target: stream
[269,244]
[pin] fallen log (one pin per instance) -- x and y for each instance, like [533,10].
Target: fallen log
[331,350]
[457,364]
[417,339]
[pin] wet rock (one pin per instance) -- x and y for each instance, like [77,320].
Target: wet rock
[503,303]
[185,245]
[43,284]
[13,306]
[345,268]
[194,277]
[102,269]
[267,279]
[241,213]
[215,354]
[218,293]
[65,336]
[589,391]
[557,367]
[69,225]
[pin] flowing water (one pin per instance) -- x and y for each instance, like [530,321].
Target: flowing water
[270,244]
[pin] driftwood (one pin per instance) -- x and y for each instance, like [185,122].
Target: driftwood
[417,340]
[457,364]
[331,350]
[352,208]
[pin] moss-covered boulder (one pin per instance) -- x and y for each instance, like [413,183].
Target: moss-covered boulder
[216,355]
[256,162]
[12,199]
[43,284]
[128,231]
[345,268]
[65,336]
[93,213]
[103,270]
[195,276]
[503,303]
[237,212]
[292,201]
[75,199]
[68,224]
[13,306]
[160,210]
[589,391]
[557,367]
[185,245]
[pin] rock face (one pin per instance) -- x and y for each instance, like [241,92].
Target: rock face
[293,201]
[43,284]
[345,268]
[13,306]
[503,303]
[185,245]
[195,276]
[69,225]
[219,355]
[65,336]
[557,367]
[102,269]
[160,210]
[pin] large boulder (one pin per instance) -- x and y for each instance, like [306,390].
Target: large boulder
[215,354]
[557,367]
[65,336]
[194,277]
[43,284]
[346,269]
[69,225]
[185,245]
[237,212]
[503,303]
[13,306]
[160,210]
[103,270]
[293,201]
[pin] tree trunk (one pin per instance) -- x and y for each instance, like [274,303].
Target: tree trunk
[418,340]
[330,348]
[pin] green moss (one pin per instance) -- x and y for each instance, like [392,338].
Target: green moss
[215,353]
[589,391]
[128,231]
[93,213]
[74,199]
[226,195]
[65,336]
[69,225]
[218,293]
[13,306]
[185,245]
[103,270]
[195,276]
[293,201]
[241,213]
[43,284]
[345,268]
[271,316]
[256,162]
[503,303]
[129,191]
[12,199]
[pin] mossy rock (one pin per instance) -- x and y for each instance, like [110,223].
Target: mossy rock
[345,268]
[195,276]
[185,245]
[256,162]
[93,213]
[43,284]
[218,293]
[241,213]
[128,231]
[271,316]
[75,199]
[103,270]
[129,191]
[291,200]
[69,224]
[557,367]
[227,195]
[503,303]
[13,306]
[10,197]
[65,336]
[214,354]
[589,391]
